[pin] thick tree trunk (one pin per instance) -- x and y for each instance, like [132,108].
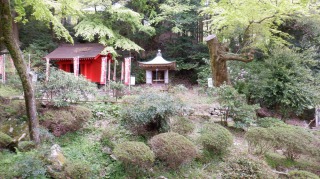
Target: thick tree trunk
[13,48]
[218,64]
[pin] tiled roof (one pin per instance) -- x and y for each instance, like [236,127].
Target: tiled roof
[69,51]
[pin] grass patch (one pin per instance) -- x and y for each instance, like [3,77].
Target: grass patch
[7,91]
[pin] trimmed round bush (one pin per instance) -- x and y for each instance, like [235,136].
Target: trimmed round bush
[301,174]
[215,138]
[182,125]
[246,167]
[173,149]
[5,140]
[134,154]
[260,140]
[269,122]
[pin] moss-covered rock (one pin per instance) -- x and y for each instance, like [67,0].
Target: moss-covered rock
[172,148]
[5,140]
[25,146]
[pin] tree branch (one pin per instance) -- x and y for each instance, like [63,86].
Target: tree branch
[237,57]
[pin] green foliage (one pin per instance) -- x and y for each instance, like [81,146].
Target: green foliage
[293,141]
[286,84]
[215,139]
[25,146]
[21,165]
[104,110]
[150,112]
[64,88]
[84,148]
[41,10]
[111,32]
[5,140]
[173,149]
[134,155]
[301,174]
[246,167]
[114,135]
[181,125]
[236,106]
[260,140]
[61,121]
[243,21]
[269,122]
[77,169]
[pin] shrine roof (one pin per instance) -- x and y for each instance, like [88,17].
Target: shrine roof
[69,51]
[158,61]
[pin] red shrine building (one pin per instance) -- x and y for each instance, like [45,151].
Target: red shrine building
[87,57]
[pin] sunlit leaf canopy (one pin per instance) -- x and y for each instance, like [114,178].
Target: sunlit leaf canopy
[255,23]
[111,25]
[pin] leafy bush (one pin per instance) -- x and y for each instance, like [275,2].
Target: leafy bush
[181,125]
[269,122]
[77,169]
[113,135]
[25,146]
[31,167]
[246,167]
[293,140]
[215,138]
[236,106]
[5,140]
[117,88]
[150,112]
[61,121]
[64,88]
[301,174]
[260,140]
[172,148]
[286,84]
[134,155]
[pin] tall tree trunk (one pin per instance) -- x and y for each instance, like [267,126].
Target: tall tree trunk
[218,64]
[14,50]
[218,60]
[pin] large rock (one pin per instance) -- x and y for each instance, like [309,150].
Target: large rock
[56,156]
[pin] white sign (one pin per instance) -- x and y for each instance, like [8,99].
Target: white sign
[210,83]
[133,80]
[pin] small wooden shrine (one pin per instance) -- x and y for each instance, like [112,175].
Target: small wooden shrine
[157,70]
[82,59]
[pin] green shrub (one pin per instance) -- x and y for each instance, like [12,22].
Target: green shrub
[172,148]
[64,88]
[260,140]
[246,167]
[215,138]
[181,125]
[5,140]
[25,146]
[134,155]
[77,169]
[114,135]
[293,140]
[269,122]
[149,112]
[301,174]
[31,167]
[61,121]
[236,106]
